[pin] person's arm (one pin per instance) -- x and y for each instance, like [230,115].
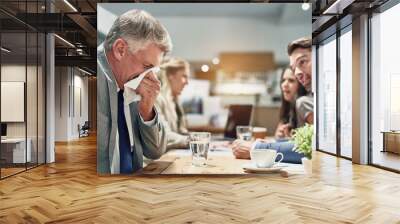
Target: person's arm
[152,131]
[286,148]
[310,118]
[103,125]
[305,110]
[177,141]
[282,130]
[279,131]
[153,137]
[148,89]
[241,149]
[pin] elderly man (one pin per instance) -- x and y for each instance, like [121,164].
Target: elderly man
[127,130]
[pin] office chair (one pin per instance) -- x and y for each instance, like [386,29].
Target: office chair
[84,130]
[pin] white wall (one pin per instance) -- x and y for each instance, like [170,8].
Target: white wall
[81,83]
[67,80]
[33,126]
[17,73]
[61,103]
[202,38]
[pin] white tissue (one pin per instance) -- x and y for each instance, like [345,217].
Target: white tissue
[130,87]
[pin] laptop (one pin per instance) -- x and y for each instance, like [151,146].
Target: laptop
[238,115]
[3,131]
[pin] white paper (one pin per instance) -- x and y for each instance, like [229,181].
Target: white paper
[130,87]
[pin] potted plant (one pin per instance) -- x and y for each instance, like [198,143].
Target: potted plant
[302,139]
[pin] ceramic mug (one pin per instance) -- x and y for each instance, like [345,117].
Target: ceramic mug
[265,158]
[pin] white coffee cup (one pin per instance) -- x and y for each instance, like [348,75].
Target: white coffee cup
[265,158]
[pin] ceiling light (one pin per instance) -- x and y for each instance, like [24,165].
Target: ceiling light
[337,7]
[84,71]
[65,41]
[5,50]
[215,61]
[70,5]
[305,6]
[205,68]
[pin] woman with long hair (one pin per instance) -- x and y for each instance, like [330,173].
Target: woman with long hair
[291,89]
[174,77]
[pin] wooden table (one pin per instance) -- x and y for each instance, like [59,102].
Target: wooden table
[220,162]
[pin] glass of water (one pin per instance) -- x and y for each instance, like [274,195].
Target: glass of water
[199,144]
[244,132]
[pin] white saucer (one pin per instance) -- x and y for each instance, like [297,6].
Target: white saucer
[251,167]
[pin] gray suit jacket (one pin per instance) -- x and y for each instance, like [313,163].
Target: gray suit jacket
[149,141]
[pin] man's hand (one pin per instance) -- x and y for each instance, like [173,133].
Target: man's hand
[241,149]
[149,89]
[283,131]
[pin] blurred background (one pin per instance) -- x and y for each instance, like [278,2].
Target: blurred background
[48,53]
[236,53]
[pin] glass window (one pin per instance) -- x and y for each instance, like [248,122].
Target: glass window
[22,92]
[385,89]
[14,153]
[327,96]
[31,97]
[346,93]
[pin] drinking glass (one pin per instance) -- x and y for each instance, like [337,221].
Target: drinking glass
[244,132]
[199,144]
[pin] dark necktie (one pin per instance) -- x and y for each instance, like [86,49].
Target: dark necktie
[125,153]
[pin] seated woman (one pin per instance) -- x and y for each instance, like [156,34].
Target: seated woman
[291,90]
[174,77]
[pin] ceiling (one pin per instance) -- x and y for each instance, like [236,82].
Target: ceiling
[329,16]
[277,12]
[80,26]
[211,9]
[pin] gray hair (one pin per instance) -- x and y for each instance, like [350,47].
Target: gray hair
[138,28]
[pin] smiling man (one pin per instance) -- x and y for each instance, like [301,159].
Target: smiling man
[299,52]
[127,131]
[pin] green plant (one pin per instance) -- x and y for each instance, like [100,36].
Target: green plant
[302,139]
